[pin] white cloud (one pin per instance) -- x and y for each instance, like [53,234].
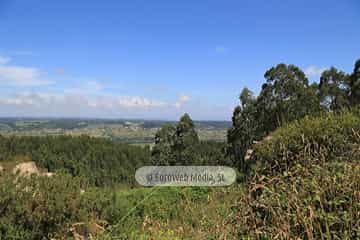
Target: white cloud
[221,50]
[181,101]
[56,104]
[314,71]
[64,101]
[11,75]
[94,85]
[118,102]
[21,76]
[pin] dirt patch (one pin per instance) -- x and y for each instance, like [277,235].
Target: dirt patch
[250,152]
[82,231]
[26,169]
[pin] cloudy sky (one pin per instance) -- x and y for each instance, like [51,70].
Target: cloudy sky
[158,59]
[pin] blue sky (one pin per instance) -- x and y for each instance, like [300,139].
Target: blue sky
[158,59]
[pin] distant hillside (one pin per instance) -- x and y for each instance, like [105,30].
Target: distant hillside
[119,130]
[18,124]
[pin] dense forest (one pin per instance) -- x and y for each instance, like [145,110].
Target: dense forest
[305,140]
[100,160]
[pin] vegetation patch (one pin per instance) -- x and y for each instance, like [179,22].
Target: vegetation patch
[318,201]
[312,139]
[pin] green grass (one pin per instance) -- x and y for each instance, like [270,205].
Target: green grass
[174,213]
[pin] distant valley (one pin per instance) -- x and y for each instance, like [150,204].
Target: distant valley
[132,131]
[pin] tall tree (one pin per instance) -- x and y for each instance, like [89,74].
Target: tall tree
[176,145]
[164,142]
[354,84]
[186,141]
[285,96]
[244,128]
[334,89]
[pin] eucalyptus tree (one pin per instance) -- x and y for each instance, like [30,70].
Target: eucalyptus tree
[334,90]
[354,84]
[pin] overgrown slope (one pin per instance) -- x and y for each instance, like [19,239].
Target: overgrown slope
[331,136]
[305,182]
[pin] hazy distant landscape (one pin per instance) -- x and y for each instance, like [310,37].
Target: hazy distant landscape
[130,131]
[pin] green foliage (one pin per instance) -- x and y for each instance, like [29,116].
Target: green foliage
[245,129]
[174,213]
[197,193]
[318,201]
[186,141]
[307,140]
[179,144]
[284,97]
[287,96]
[333,89]
[137,205]
[154,202]
[354,85]
[305,182]
[162,152]
[213,154]
[39,207]
[101,161]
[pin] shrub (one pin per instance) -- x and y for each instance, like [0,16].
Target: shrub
[309,140]
[311,202]
[39,207]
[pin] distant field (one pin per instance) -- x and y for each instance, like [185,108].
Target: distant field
[122,131]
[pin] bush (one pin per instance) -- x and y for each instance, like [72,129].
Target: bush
[309,140]
[38,207]
[305,182]
[45,208]
[311,202]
